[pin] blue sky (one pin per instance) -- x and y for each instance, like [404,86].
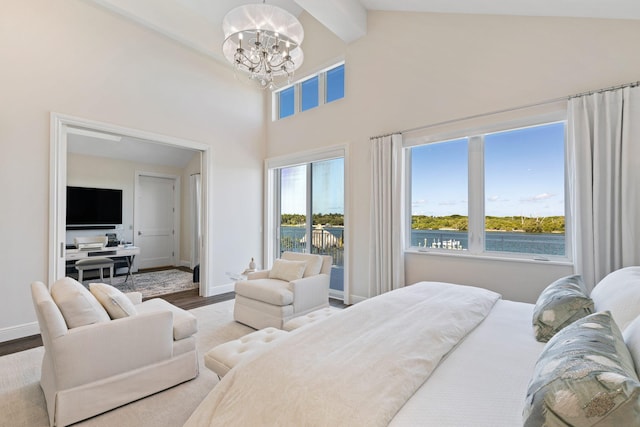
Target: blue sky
[328,188]
[524,174]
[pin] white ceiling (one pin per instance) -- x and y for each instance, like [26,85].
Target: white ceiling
[197,23]
[129,149]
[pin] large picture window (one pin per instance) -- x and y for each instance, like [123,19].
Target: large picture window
[497,192]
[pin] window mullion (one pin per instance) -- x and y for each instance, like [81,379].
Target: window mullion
[309,226]
[476,194]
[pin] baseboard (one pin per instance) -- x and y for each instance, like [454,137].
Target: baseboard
[220,289]
[183,263]
[20,331]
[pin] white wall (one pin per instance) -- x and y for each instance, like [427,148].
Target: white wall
[414,69]
[75,58]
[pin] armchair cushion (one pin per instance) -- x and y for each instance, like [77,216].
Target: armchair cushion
[116,303]
[287,270]
[271,291]
[78,306]
[314,262]
[185,324]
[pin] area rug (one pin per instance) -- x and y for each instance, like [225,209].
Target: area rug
[22,402]
[153,283]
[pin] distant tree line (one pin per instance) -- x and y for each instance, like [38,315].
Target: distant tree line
[330,219]
[548,224]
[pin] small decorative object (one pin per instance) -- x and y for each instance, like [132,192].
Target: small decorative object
[252,265]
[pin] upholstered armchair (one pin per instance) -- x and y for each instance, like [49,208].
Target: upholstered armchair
[297,284]
[103,348]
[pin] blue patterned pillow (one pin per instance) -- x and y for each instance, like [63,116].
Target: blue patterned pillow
[584,377]
[560,304]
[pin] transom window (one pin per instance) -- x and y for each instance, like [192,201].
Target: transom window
[495,192]
[320,88]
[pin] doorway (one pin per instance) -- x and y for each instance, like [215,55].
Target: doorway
[60,126]
[156,219]
[307,210]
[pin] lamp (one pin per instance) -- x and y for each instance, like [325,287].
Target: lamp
[263,41]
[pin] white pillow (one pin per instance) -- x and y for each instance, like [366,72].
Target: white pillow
[78,306]
[287,270]
[619,292]
[116,303]
[314,262]
[631,337]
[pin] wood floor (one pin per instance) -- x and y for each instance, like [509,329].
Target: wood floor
[186,300]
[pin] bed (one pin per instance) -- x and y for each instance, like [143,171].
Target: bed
[428,354]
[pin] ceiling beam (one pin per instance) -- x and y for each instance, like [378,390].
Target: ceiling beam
[345,18]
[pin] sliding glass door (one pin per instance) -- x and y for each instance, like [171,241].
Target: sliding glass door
[310,213]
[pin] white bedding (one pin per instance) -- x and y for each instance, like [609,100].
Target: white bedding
[355,368]
[483,382]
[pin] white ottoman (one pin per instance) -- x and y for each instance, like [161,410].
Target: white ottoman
[314,316]
[223,357]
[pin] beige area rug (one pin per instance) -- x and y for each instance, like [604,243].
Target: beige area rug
[152,283]
[22,402]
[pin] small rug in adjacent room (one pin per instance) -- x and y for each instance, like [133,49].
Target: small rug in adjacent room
[153,283]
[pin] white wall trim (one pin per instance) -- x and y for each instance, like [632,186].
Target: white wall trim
[58,182]
[19,331]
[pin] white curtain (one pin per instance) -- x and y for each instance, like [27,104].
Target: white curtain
[603,154]
[387,206]
[196,218]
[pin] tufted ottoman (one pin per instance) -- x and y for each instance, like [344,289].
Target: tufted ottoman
[314,316]
[223,357]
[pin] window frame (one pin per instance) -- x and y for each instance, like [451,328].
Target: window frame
[476,184]
[297,92]
[271,236]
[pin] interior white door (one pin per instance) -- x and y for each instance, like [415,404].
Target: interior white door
[155,207]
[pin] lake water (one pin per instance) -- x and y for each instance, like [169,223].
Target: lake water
[496,241]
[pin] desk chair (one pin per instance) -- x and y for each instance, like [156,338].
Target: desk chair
[95,263]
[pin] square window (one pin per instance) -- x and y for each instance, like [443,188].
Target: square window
[309,93]
[286,102]
[335,84]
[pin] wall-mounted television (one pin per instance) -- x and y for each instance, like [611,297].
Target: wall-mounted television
[93,206]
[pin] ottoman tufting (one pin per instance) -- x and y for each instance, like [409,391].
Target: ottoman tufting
[223,357]
[314,316]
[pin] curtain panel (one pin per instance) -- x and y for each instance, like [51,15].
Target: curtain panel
[387,206]
[603,158]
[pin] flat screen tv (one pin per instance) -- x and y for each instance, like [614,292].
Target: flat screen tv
[93,206]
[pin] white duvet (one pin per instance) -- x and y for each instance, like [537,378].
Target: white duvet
[355,368]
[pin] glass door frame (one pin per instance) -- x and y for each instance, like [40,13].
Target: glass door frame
[272,204]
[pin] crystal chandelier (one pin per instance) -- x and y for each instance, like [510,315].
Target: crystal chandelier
[263,41]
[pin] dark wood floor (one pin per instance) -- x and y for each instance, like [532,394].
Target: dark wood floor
[186,300]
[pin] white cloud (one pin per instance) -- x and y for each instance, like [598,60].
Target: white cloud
[539,197]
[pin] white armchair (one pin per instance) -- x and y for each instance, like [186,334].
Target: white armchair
[297,284]
[93,364]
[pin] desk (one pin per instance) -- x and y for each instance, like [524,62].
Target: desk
[128,253]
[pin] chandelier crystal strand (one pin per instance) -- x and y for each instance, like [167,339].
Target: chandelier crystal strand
[263,41]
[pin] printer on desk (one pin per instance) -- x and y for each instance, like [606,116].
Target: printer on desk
[90,242]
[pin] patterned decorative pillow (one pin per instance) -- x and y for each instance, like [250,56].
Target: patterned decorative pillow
[584,377]
[560,304]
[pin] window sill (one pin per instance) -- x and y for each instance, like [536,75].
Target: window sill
[529,259]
